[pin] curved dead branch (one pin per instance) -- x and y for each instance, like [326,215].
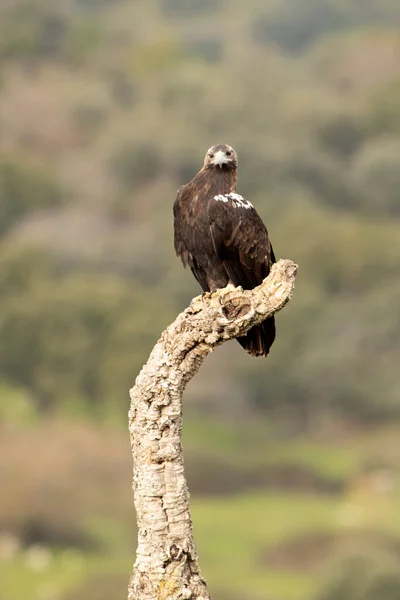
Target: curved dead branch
[166,566]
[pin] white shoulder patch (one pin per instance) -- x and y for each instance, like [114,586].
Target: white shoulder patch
[221,198]
[236,200]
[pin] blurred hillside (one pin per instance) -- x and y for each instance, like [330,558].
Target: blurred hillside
[106,107]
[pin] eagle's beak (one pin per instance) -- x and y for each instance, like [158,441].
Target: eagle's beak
[220,158]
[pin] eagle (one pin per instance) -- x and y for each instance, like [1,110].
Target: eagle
[221,237]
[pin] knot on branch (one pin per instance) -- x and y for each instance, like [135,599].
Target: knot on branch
[290,269]
[175,552]
[235,308]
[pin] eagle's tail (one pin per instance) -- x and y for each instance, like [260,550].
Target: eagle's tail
[259,338]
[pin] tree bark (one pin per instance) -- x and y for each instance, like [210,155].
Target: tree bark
[166,566]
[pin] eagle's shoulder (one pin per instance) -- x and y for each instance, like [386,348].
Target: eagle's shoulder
[232,208]
[239,234]
[234,200]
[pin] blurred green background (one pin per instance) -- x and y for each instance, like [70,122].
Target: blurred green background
[106,107]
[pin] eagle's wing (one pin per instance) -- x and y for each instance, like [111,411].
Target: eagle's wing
[240,239]
[183,231]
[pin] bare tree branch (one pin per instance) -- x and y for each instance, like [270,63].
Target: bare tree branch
[166,566]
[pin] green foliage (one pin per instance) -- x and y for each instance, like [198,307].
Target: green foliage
[384,113]
[100,586]
[322,176]
[40,29]
[81,338]
[18,408]
[56,499]
[341,133]
[376,170]
[24,189]
[24,23]
[361,578]
[123,89]
[135,163]
[209,50]
[188,7]
[96,4]
[79,344]
[293,25]
[317,138]
[89,118]
[84,38]
[75,499]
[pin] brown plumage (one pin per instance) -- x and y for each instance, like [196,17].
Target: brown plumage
[222,238]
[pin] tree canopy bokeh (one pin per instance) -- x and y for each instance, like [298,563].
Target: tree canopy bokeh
[107,107]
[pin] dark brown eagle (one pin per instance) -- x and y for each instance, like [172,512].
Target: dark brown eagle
[222,238]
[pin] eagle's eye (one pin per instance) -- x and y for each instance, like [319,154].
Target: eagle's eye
[211,155]
[228,152]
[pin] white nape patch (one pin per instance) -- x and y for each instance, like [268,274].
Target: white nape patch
[236,199]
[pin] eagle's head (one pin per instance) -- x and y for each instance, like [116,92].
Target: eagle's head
[221,156]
